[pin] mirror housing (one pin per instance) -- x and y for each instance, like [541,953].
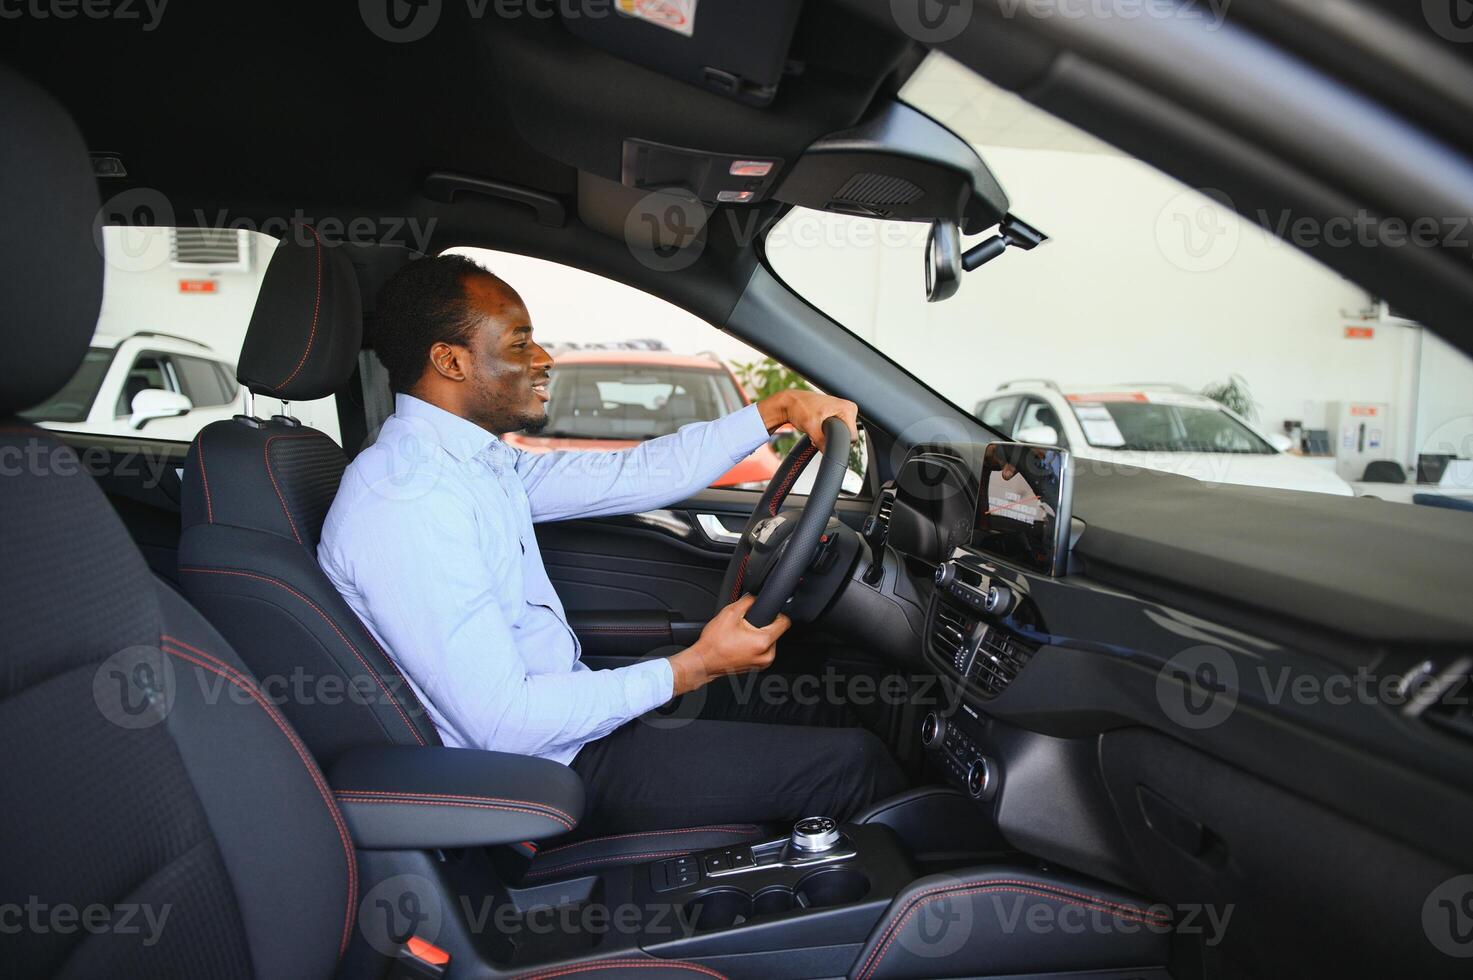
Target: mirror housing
[156,403]
[1038,435]
[897,165]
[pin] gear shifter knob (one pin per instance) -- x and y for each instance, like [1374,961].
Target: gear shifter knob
[814,834]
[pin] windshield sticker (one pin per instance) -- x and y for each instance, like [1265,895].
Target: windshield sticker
[1098,425]
[673,15]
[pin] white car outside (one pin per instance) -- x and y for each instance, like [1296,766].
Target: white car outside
[1156,427]
[158,386]
[148,385]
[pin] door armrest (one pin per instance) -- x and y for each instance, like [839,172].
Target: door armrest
[398,797]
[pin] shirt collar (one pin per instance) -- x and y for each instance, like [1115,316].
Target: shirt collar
[460,437]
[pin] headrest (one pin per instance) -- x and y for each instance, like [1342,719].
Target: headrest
[307,329]
[51,291]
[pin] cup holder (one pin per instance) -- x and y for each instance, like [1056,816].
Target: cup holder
[833,886]
[725,907]
[719,909]
[771,901]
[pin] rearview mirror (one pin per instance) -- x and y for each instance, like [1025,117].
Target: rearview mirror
[156,403]
[1039,435]
[943,261]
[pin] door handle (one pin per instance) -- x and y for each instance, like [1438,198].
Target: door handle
[716,531]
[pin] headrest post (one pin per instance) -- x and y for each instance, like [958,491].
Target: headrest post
[250,404]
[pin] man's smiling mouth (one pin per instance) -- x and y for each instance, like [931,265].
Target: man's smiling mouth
[539,388]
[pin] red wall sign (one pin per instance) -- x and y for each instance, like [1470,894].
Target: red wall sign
[197,285]
[1360,333]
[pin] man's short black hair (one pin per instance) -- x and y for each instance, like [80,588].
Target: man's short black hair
[422,304]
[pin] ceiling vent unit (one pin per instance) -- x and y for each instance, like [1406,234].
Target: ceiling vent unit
[210,249]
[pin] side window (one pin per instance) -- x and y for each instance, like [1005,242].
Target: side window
[176,305]
[1036,414]
[998,413]
[631,367]
[200,380]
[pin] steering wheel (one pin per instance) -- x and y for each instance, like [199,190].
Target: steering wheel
[776,548]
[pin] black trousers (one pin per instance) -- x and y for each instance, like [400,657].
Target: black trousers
[697,766]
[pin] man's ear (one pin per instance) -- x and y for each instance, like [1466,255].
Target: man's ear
[448,360]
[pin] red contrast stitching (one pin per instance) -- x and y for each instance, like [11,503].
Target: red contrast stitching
[199,446]
[746,830]
[348,796]
[1054,892]
[222,669]
[316,308]
[619,965]
[266,454]
[328,620]
[736,589]
[460,797]
[782,491]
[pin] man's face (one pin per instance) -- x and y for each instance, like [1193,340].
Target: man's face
[508,371]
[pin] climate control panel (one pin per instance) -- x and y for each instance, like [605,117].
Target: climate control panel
[957,742]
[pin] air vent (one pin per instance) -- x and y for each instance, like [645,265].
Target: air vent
[950,629]
[998,659]
[885,506]
[210,249]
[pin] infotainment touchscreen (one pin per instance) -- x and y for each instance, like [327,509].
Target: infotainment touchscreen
[1023,506]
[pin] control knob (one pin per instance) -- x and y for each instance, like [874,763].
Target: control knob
[813,834]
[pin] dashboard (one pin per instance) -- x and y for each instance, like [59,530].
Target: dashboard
[1066,712]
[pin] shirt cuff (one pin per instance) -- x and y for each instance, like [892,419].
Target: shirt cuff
[741,432]
[648,684]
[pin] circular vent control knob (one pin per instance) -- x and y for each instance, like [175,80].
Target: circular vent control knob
[979,776]
[814,834]
[933,730]
[945,574]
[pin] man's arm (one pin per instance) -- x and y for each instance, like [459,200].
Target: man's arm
[431,598]
[593,483]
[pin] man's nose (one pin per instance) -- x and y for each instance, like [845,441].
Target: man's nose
[541,359]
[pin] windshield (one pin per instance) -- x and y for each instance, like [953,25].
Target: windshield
[74,400]
[634,401]
[1138,425]
[1145,284]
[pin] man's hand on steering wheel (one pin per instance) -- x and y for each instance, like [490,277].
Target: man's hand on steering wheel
[728,645]
[806,412]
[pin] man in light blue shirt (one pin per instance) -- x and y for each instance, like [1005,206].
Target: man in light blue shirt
[430,540]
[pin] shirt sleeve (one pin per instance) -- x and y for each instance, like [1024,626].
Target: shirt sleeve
[593,483]
[434,603]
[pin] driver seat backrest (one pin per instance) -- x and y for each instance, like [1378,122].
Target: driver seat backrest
[255,496]
[146,775]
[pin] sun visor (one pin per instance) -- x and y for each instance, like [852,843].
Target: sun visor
[736,49]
